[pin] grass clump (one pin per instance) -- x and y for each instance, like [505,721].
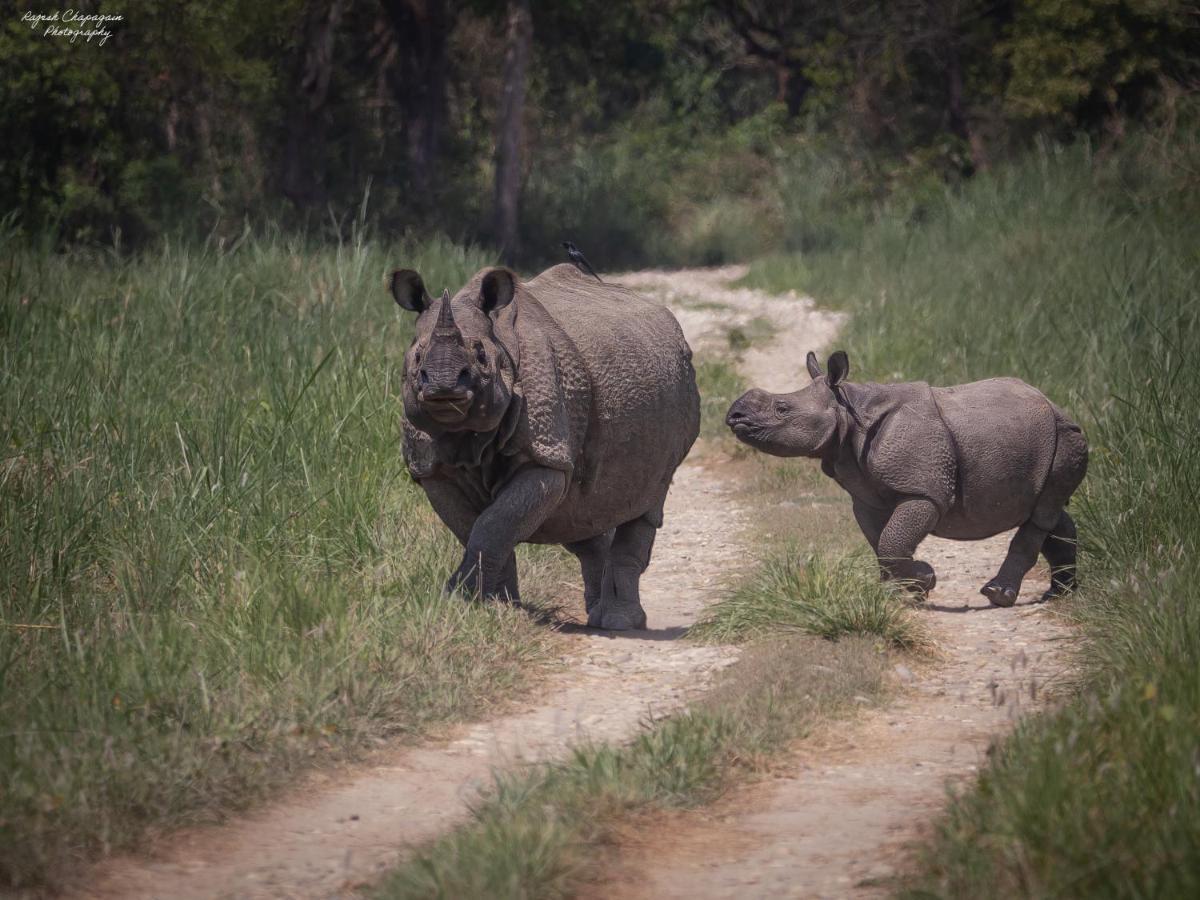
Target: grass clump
[213,568]
[1077,272]
[720,384]
[815,593]
[543,833]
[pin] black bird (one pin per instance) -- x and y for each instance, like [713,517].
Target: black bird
[581,263]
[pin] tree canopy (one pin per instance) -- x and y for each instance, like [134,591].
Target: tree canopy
[200,113]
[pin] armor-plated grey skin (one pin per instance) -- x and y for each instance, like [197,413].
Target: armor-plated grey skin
[964,462]
[552,411]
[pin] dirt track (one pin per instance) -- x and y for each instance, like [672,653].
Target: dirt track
[833,821]
[836,819]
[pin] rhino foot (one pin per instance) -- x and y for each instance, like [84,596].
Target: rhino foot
[999,594]
[1057,590]
[617,618]
[916,576]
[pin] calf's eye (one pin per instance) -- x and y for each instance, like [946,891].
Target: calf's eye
[781,409]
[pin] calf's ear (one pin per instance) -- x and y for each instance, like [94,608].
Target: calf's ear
[409,290]
[498,288]
[839,367]
[814,367]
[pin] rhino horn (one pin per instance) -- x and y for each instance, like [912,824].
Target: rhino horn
[446,326]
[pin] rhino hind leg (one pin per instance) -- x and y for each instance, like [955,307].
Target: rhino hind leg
[620,607]
[593,556]
[1023,552]
[1059,550]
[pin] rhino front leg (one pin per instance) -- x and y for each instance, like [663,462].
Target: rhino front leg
[871,522]
[910,523]
[620,605]
[467,576]
[489,565]
[1022,554]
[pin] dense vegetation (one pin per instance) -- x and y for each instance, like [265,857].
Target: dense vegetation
[212,564]
[649,130]
[1077,271]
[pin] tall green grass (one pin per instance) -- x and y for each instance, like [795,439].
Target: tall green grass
[213,567]
[1078,272]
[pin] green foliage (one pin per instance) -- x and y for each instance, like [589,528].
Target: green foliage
[1072,57]
[679,132]
[213,568]
[719,385]
[1078,273]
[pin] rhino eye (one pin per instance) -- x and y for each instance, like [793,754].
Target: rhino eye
[480,354]
[781,408]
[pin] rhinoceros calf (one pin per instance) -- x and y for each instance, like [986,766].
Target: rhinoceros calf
[553,411]
[964,462]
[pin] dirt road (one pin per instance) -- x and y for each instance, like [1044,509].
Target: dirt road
[837,817]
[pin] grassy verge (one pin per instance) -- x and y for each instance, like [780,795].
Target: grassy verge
[720,384]
[820,593]
[1078,273]
[543,833]
[213,570]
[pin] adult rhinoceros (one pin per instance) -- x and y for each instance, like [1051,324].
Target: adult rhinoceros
[551,411]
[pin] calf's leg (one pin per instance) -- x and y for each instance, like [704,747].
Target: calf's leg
[910,523]
[1022,554]
[1059,550]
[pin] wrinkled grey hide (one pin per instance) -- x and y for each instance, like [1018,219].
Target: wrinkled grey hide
[964,462]
[553,411]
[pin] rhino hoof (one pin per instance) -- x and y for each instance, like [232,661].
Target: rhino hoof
[999,595]
[618,619]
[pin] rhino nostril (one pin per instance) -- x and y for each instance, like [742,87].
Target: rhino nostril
[424,376]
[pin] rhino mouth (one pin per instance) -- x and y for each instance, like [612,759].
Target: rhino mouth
[747,431]
[447,409]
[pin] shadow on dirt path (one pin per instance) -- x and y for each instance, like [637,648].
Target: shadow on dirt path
[335,832]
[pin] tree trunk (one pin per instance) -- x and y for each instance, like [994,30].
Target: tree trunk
[418,76]
[960,125]
[303,179]
[509,120]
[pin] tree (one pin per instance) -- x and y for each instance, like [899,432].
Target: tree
[509,120]
[303,177]
[418,72]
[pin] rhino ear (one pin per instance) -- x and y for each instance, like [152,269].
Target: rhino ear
[839,367]
[814,367]
[498,288]
[409,290]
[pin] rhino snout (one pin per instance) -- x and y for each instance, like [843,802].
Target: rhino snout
[744,411]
